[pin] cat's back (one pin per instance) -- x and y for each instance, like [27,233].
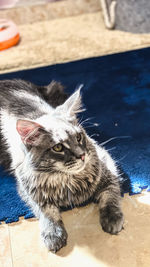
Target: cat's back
[22,99]
[10,88]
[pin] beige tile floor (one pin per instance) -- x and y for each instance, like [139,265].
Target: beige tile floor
[88,245]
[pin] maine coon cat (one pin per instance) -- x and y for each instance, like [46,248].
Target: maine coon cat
[55,162]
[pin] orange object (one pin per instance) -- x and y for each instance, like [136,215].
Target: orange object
[11,42]
[9,35]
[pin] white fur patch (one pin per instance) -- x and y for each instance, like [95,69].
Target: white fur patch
[40,103]
[105,158]
[58,126]
[13,140]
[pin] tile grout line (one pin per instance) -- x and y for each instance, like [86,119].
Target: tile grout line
[10,246]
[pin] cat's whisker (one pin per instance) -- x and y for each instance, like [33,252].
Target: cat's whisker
[86,121]
[87,124]
[94,124]
[113,138]
[113,148]
[122,158]
[94,135]
[80,120]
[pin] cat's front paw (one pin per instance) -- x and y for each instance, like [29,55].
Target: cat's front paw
[111,219]
[55,238]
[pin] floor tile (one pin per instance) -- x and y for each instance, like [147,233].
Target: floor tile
[87,244]
[5,247]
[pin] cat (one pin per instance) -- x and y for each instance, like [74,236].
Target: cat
[55,162]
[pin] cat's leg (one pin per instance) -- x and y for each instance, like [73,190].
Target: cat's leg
[109,199]
[108,193]
[52,228]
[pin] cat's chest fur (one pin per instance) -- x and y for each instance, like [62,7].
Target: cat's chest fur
[61,189]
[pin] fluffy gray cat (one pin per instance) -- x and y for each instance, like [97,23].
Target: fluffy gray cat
[55,162]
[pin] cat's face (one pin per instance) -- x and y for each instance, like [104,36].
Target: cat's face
[57,142]
[70,155]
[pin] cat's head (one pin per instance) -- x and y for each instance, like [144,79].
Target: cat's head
[56,141]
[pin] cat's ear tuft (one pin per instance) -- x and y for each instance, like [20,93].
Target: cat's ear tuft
[72,105]
[29,131]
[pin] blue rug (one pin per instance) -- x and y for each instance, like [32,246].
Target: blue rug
[116,94]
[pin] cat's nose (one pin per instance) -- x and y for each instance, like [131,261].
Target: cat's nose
[79,154]
[83,157]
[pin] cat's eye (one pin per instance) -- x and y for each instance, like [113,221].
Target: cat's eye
[78,137]
[58,148]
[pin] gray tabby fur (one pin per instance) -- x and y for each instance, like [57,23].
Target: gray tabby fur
[33,121]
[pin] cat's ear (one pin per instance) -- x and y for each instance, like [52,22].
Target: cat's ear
[72,105]
[30,132]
